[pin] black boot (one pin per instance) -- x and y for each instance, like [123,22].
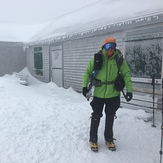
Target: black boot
[94,128]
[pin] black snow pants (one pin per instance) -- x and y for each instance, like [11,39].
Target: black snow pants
[111,106]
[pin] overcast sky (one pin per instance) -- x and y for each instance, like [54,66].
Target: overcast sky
[20,20]
[37,11]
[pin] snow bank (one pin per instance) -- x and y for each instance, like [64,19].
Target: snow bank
[44,123]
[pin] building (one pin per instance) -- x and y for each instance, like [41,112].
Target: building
[60,52]
[12,57]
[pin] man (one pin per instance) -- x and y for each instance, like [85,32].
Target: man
[106,94]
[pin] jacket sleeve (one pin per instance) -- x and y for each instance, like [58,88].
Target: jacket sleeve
[88,73]
[125,70]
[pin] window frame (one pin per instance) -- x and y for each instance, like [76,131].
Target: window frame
[38,61]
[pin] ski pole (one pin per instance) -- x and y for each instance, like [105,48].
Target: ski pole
[123,94]
[153,83]
[161,144]
[161,127]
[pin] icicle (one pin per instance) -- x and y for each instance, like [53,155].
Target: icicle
[156,17]
[24,48]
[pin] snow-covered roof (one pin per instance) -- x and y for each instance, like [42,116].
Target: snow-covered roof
[99,15]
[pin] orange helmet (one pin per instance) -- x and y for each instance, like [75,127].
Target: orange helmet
[109,40]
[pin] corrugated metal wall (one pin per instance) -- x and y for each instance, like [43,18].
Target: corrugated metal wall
[30,62]
[12,57]
[76,55]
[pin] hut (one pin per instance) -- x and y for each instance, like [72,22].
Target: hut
[61,51]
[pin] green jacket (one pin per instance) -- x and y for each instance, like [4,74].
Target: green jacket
[108,72]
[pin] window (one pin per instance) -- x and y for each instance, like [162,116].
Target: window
[144,57]
[38,64]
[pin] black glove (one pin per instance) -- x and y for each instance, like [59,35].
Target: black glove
[128,96]
[85,91]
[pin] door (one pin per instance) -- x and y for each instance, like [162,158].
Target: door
[56,62]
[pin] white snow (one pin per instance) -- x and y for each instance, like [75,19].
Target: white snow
[44,123]
[98,15]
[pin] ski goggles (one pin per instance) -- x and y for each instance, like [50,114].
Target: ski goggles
[110,45]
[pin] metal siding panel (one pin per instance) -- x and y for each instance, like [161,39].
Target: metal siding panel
[12,57]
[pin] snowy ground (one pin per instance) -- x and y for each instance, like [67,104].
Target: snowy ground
[42,123]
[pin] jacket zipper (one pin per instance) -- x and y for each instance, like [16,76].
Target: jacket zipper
[106,77]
